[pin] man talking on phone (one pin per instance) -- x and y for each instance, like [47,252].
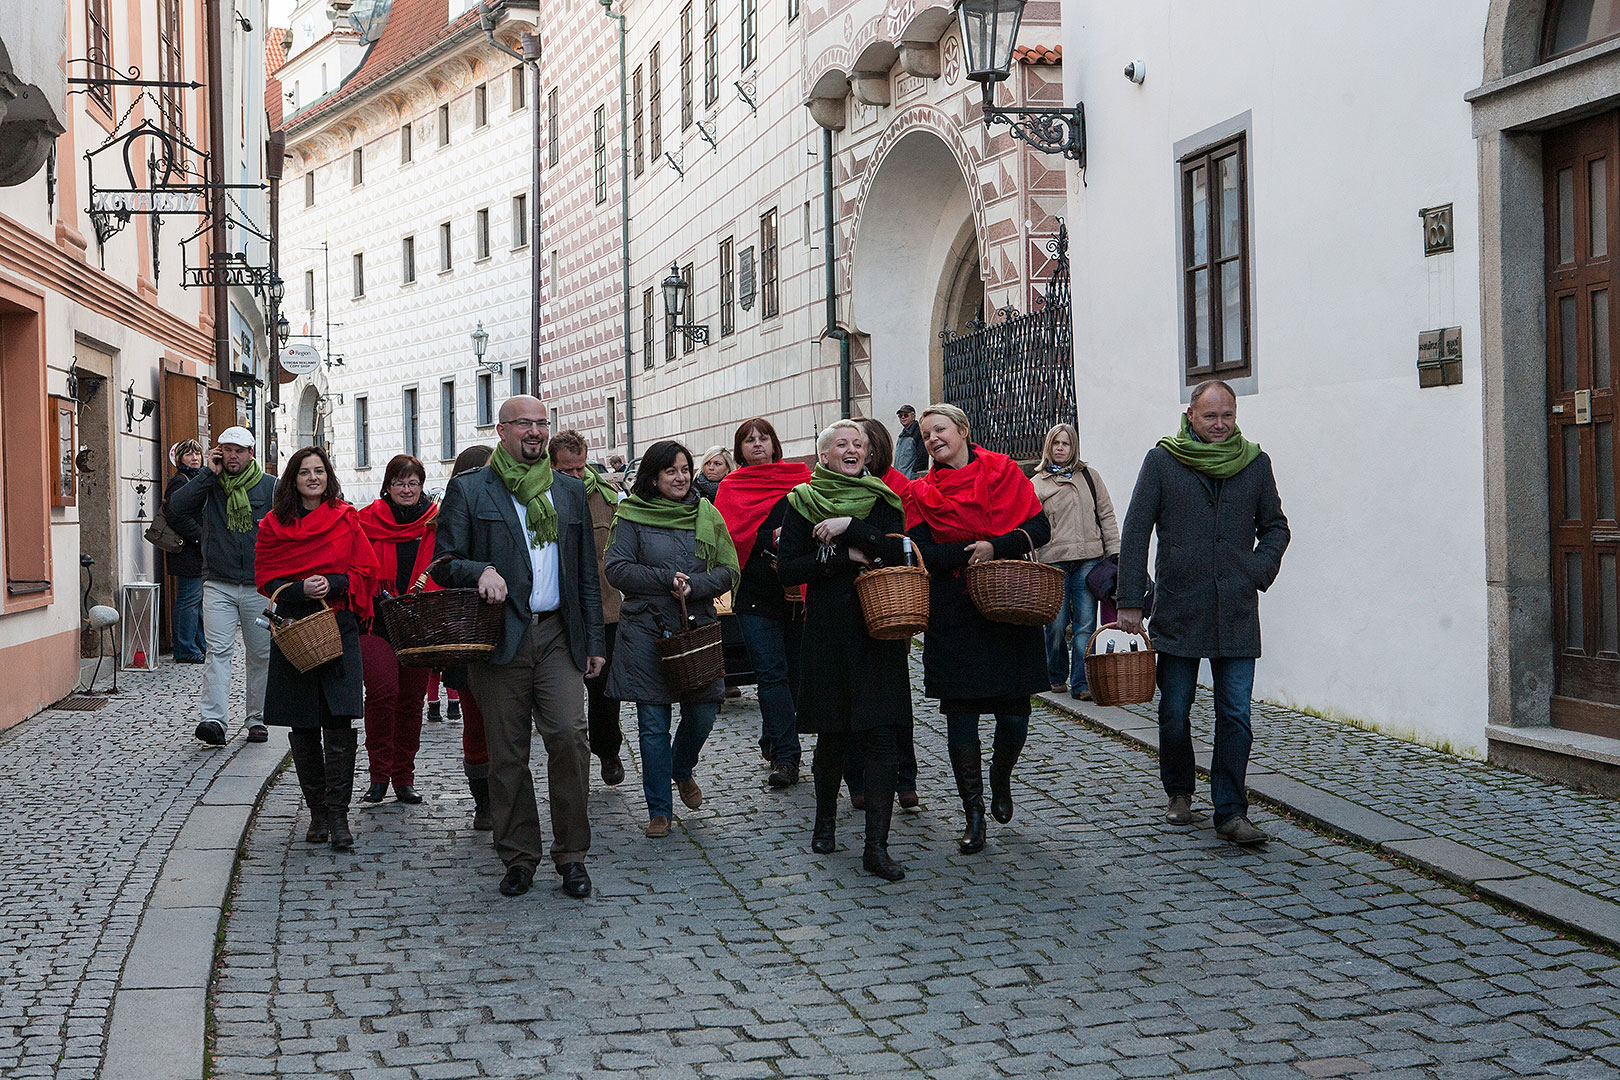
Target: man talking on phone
[228,499]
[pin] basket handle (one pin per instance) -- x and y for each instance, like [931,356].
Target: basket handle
[421,582]
[1114,626]
[1030,554]
[915,548]
[682,601]
[277,593]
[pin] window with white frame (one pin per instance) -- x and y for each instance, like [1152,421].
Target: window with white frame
[446,262]
[447,420]
[410,418]
[444,124]
[485,403]
[520,221]
[407,260]
[481,233]
[601,154]
[520,379]
[362,432]
[359,274]
[357,170]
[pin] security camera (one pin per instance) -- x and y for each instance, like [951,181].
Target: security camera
[1136,71]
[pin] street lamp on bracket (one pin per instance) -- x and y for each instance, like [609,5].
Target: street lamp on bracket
[480,342]
[675,289]
[989,35]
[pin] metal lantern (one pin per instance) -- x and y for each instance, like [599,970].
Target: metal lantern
[675,288]
[283,329]
[139,647]
[480,340]
[989,32]
[278,289]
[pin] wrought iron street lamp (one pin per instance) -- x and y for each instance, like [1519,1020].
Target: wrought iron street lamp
[676,289]
[480,342]
[283,329]
[989,33]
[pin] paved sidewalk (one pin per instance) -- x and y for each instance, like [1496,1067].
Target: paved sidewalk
[111,823]
[1547,849]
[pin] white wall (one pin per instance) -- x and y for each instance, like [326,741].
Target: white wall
[1358,122]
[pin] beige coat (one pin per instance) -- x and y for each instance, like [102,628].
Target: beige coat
[1075,535]
[601,524]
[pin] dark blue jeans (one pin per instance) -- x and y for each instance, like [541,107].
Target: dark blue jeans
[188,635]
[773,649]
[1065,658]
[1234,685]
[662,759]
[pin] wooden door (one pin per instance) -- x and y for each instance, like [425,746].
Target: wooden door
[1582,178]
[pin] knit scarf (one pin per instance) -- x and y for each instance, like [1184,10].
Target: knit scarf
[327,540]
[831,494]
[700,518]
[988,497]
[1222,460]
[238,508]
[747,495]
[387,534]
[529,484]
[593,483]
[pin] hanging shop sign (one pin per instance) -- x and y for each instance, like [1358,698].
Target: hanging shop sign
[299,359]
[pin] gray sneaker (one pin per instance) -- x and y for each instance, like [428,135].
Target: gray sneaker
[1179,812]
[1239,830]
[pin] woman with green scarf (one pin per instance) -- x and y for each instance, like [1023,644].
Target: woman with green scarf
[667,544]
[854,690]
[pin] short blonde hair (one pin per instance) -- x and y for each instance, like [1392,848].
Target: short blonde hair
[1074,444]
[951,413]
[830,432]
[717,452]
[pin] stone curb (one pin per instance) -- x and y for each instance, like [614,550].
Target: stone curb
[157,1029]
[1501,879]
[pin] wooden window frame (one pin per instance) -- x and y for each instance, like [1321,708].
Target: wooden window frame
[770,292]
[646,329]
[481,106]
[600,144]
[98,38]
[481,238]
[447,419]
[520,221]
[171,67]
[484,400]
[748,27]
[64,412]
[520,89]
[637,122]
[444,124]
[728,286]
[655,105]
[1550,23]
[25,468]
[711,53]
[686,66]
[1202,150]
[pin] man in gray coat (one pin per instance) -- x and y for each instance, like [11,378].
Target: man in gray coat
[1212,497]
[521,534]
[909,456]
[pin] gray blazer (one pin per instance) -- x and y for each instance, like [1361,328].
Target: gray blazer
[1221,543]
[479,527]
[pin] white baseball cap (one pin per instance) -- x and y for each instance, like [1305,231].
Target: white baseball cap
[235,436]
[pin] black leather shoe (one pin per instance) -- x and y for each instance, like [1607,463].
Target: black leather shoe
[258,733]
[783,775]
[576,882]
[517,881]
[211,733]
[376,793]
[612,771]
[877,861]
[406,793]
[824,837]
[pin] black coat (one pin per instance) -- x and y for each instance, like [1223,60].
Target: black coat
[760,591]
[1221,543]
[227,555]
[966,656]
[188,561]
[292,698]
[848,680]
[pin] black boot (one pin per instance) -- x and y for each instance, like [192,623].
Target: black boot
[1009,744]
[970,784]
[311,770]
[879,789]
[433,714]
[340,743]
[479,786]
[453,710]
[824,838]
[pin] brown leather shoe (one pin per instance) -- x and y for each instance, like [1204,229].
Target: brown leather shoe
[691,794]
[657,828]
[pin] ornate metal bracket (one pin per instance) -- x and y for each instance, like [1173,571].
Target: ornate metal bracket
[697,333]
[1051,131]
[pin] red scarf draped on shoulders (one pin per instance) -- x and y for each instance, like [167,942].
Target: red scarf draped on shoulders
[898,483]
[327,540]
[988,497]
[747,494]
[386,534]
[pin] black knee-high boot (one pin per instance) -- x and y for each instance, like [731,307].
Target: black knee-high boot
[311,770]
[1009,743]
[340,744]
[879,786]
[970,785]
[828,768]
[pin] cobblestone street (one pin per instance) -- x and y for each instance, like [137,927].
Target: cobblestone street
[1089,939]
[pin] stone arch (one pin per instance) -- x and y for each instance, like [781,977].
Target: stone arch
[1513,37]
[311,421]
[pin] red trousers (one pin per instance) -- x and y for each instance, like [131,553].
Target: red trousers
[474,750]
[394,696]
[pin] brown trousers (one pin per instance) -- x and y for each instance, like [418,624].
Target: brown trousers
[541,688]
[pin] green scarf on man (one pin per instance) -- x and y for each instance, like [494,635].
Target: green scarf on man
[714,544]
[593,483]
[831,494]
[1222,460]
[529,484]
[238,507]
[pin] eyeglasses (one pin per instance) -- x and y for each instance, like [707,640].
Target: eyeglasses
[406,485]
[525,424]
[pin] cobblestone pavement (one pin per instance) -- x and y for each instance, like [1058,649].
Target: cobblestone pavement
[93,803]
[1088,940]
[1545,828]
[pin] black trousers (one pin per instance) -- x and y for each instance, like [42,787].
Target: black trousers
[905,757]
[601,711]
[875,752]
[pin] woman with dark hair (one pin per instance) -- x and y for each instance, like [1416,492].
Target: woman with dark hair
[751,499]
[186,565]
[971,506]
[311,543]
[667,544]
[856,695]
[400,525]
[474,749]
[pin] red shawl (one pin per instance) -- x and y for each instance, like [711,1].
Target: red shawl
[386,534]
[898,483]
[327,540]
[988,497]
[747,494]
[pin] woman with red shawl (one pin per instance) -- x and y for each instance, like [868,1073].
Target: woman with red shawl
[971,506]
[752,500]
[311,542]
[400,525]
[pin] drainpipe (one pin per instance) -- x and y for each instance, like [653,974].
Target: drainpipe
[624,235]
[833,329]
[275,163]
[218,142]
[489,17]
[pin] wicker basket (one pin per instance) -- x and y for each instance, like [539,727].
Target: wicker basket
[309,642]
[692,658]
[894,600]
[1121,678]
[444,628]
[1025,591]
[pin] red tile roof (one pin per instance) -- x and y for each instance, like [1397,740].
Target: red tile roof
[275,54]
[1038,54]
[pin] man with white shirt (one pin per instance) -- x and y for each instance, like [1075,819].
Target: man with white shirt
[521,534]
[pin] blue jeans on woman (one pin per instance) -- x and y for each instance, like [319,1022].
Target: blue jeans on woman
[1080,609]
[773,649]
[663,761]
[1229,765]
[187,619]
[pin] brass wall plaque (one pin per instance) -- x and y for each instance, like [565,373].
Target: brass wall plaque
[1439,360]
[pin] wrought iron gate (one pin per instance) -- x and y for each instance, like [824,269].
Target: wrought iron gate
[1015,378]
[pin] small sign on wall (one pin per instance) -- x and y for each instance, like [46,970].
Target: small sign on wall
[1439,360]
[64,448]
[1437,234]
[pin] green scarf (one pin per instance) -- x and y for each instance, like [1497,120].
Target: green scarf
[831,494]
[238,508]
[529,484]
[713,538]
[1222,460]
[593,483]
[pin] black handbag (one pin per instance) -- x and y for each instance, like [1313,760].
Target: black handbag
[1104,577]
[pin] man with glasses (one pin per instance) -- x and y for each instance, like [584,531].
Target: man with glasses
[520,533]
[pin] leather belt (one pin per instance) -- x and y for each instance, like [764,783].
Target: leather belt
[537,617]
